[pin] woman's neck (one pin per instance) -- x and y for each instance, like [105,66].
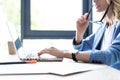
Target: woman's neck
[110,17]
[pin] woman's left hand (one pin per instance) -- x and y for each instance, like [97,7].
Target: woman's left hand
[52,51]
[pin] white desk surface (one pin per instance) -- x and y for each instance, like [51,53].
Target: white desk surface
[105,73]
[101,74]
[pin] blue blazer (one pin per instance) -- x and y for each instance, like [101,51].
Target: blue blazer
[92,43]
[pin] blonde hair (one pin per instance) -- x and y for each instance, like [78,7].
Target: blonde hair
[116,8]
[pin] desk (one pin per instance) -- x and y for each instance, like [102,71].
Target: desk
[101,74]
[106,73]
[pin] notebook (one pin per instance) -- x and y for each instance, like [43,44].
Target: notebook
[22,55]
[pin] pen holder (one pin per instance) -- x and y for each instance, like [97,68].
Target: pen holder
[11,48]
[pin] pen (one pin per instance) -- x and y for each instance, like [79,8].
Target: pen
[89,11]
[23,62]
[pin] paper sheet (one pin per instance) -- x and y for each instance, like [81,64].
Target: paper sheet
[58,68]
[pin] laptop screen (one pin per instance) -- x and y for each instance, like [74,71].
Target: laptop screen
[16,41]
[19,49]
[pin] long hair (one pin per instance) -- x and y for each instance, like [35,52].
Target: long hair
[116,7]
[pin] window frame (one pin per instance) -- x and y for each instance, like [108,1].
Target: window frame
[26,33]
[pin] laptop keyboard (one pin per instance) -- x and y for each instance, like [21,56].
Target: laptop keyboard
[42,59]
[31,56]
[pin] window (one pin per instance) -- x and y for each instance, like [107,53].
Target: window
[51,18]
[55,15]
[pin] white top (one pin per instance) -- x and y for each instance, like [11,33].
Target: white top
[107,38]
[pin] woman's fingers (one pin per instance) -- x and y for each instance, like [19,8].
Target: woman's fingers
[42,52]
[45,51]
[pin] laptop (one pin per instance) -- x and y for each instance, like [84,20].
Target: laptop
[32,56]
[24,56]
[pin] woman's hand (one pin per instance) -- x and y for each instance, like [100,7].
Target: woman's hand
[52,51]
[81,26]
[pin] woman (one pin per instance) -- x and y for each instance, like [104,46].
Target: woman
[100,47]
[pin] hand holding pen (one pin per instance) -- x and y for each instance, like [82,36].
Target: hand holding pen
[82,24]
